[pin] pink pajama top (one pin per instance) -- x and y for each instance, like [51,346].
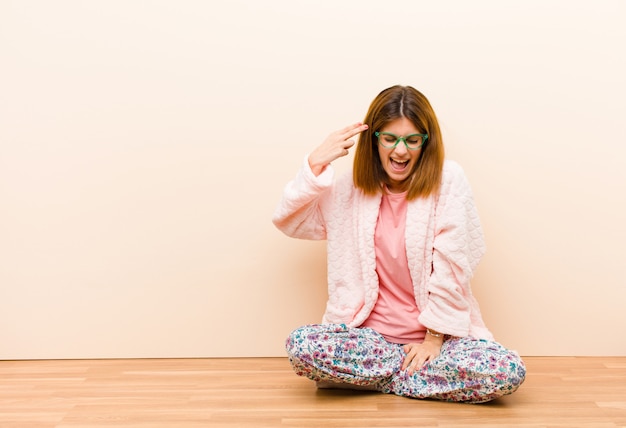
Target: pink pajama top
[395,314]
[443,243]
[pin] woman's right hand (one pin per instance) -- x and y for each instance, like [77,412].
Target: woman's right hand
[335,146]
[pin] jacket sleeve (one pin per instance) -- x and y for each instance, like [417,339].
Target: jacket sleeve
[458,248]
[299,213]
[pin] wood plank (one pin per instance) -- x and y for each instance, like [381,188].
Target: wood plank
[586,392]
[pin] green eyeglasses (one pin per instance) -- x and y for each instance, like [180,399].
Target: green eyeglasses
[390,141]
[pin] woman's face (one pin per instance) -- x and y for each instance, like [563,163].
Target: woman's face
[398,162]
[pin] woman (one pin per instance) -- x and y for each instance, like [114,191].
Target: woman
[403,239]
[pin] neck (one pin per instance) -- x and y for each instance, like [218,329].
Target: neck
[396,188]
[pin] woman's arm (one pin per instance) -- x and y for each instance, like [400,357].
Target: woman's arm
[299,214]
[458,247]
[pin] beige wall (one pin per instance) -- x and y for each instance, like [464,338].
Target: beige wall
[144,145]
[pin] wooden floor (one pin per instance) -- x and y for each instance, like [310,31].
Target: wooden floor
[264,392]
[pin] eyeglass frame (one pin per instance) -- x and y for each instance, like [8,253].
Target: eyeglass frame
[398,138]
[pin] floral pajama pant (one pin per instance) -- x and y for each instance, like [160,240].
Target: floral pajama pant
[470,370]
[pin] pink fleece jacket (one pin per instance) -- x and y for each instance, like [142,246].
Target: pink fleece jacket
[444,243]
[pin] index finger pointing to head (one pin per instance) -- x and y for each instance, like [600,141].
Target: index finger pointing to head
[355,129]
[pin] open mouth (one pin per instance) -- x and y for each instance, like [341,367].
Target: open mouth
[399,165]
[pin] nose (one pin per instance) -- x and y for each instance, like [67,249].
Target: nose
[400,147]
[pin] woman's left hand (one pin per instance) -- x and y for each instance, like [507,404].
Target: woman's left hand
[418,354]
